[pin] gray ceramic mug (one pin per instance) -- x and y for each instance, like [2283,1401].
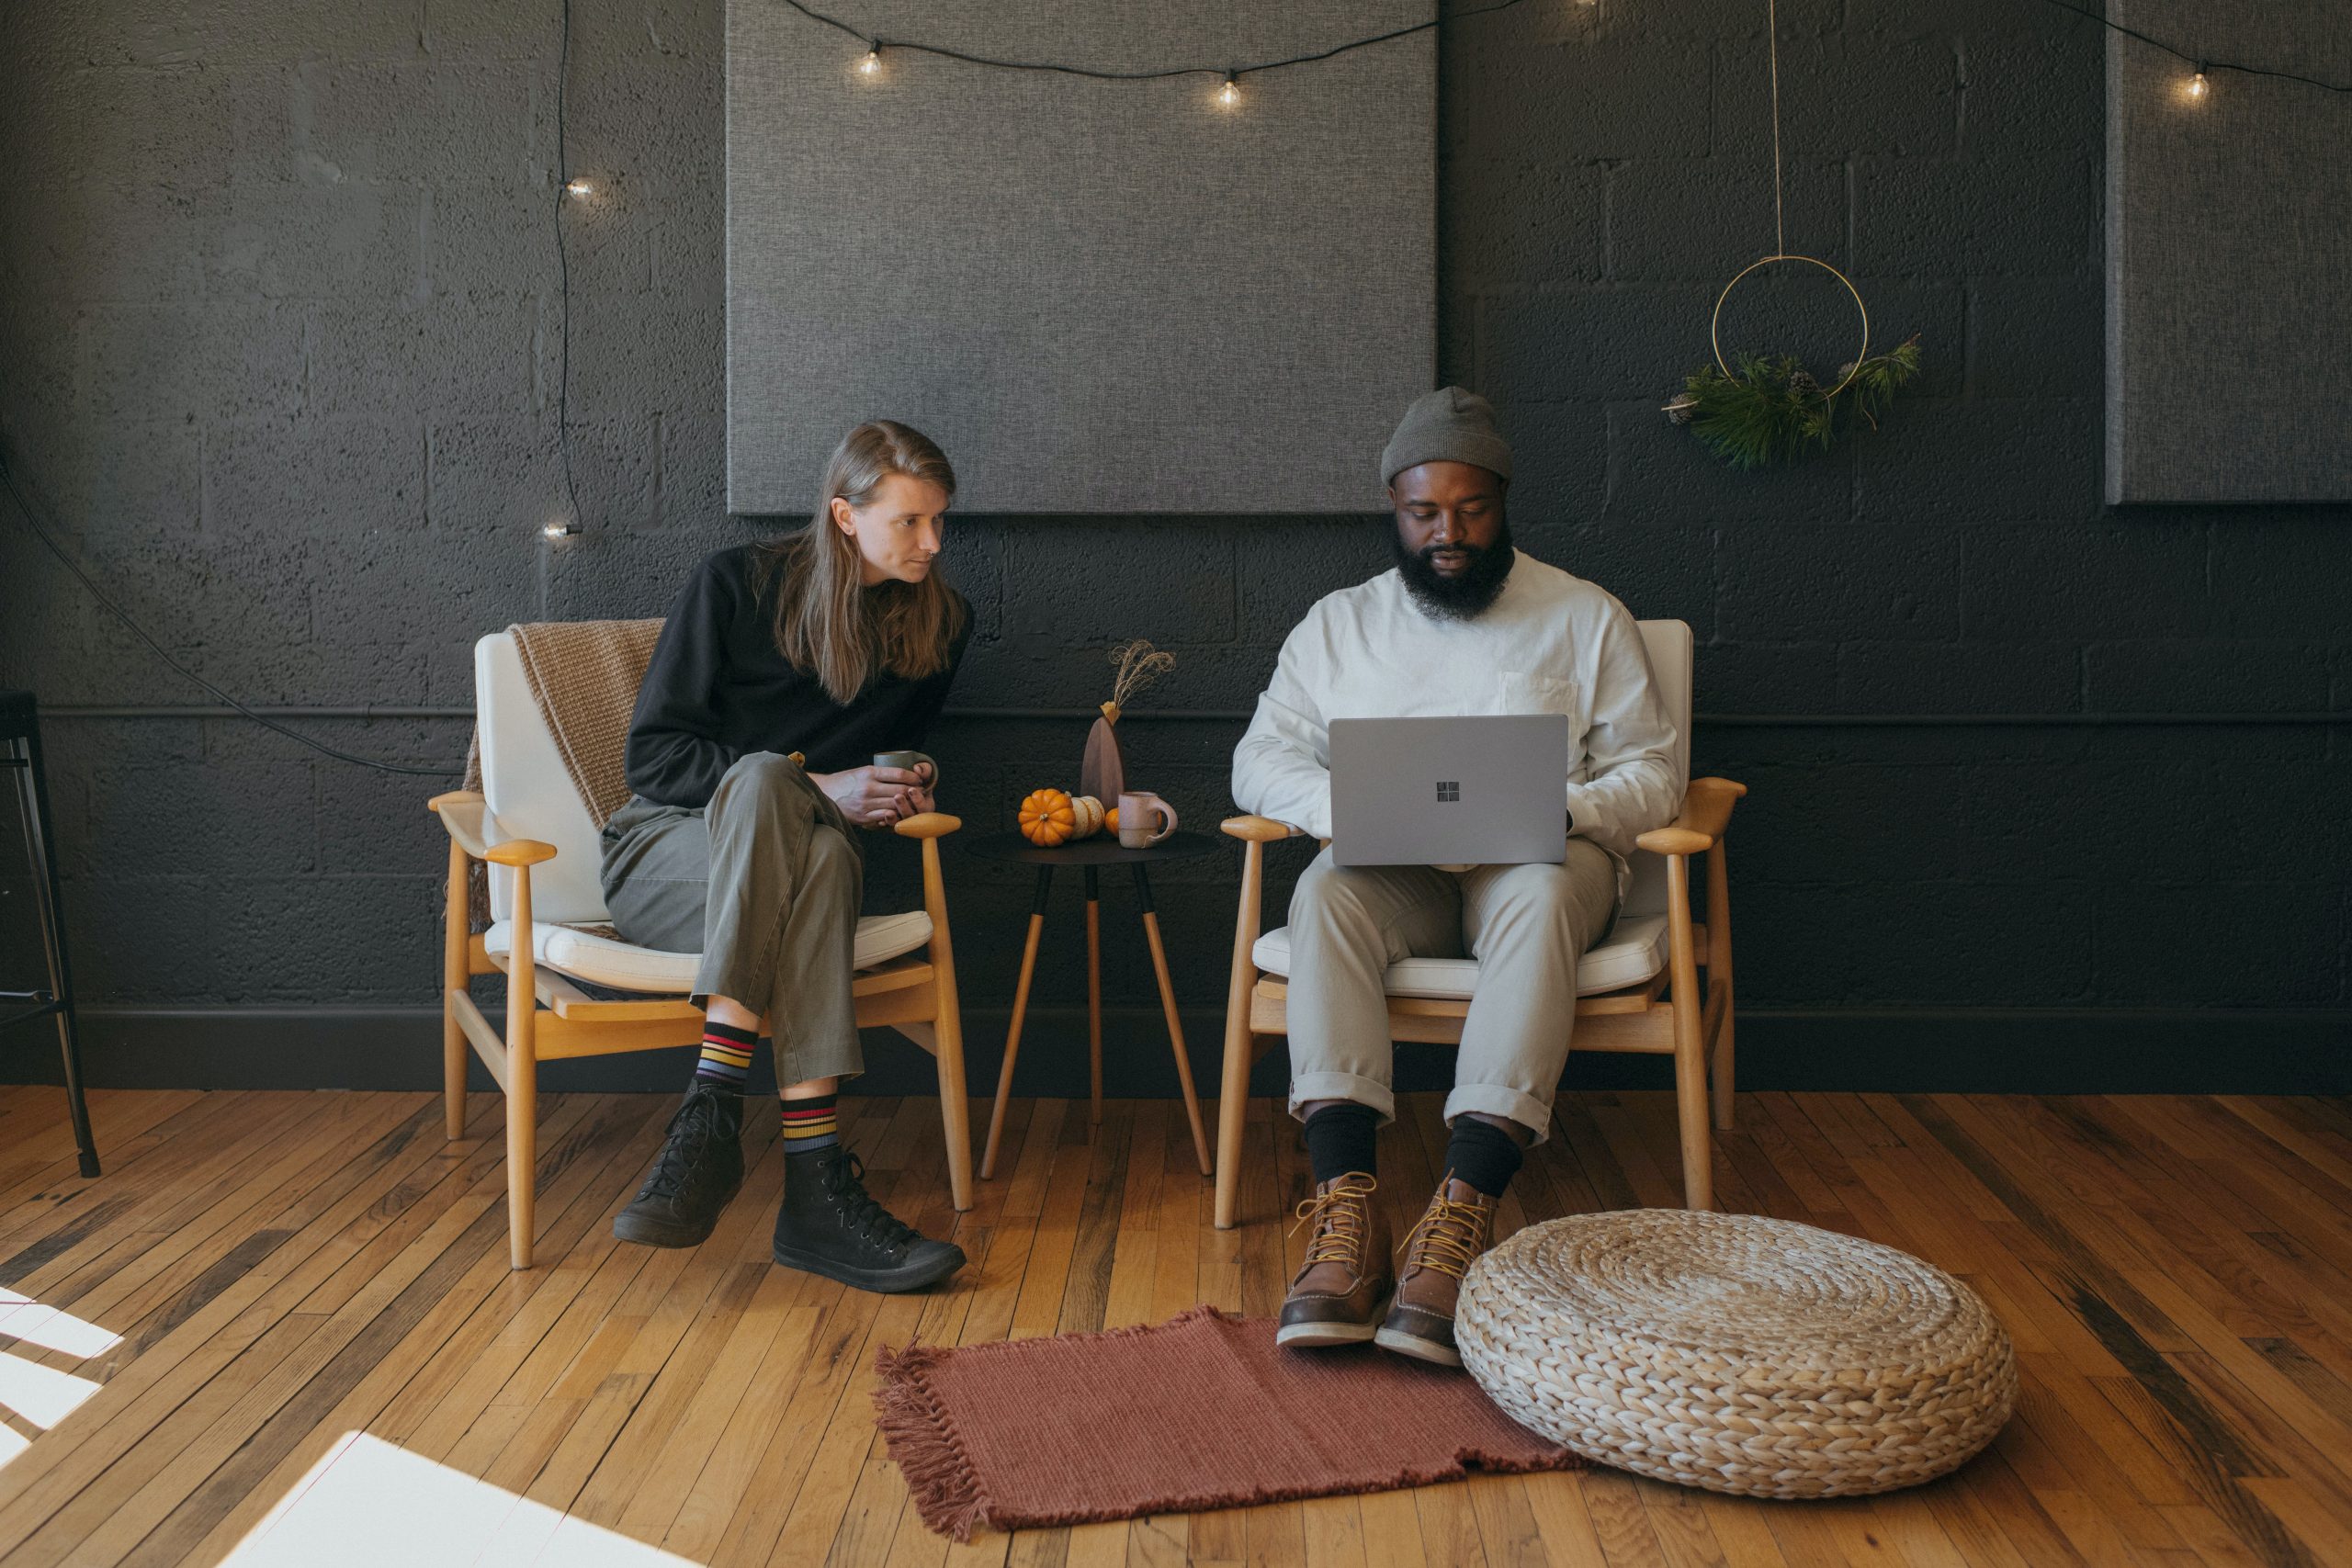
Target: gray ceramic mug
[909,761]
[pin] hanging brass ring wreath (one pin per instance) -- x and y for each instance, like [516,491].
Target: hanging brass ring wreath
[1714,325]
[1768,410]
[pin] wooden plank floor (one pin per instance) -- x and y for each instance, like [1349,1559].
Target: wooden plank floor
[293,1311]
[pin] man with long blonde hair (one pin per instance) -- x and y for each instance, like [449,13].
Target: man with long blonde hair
[837,642]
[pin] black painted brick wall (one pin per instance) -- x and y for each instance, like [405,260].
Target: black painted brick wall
[279,348]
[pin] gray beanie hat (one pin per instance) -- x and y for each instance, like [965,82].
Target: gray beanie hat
[1447,425]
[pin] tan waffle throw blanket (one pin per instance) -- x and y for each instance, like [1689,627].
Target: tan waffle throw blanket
[585,676]
[1202,1411]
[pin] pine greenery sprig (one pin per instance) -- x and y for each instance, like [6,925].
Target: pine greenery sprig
[1771,411]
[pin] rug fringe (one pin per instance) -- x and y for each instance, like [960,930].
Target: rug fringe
[923,1445]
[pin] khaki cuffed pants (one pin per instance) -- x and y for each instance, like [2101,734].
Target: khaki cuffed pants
[765,883]
[1526,925]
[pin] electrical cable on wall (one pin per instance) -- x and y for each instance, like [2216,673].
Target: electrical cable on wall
[32,521]
[565,185]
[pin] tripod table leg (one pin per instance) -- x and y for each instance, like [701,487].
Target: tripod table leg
[1175,1028]
[1093,998]
[1020,1011]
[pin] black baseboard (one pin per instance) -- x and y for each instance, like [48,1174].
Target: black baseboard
[1922,1050]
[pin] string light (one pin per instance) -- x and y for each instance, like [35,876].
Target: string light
[557,528]
[1229,96]
[579,187]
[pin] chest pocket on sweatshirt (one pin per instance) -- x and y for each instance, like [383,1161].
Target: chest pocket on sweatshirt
[1517,692]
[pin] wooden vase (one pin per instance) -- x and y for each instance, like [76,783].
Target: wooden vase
[1103,771]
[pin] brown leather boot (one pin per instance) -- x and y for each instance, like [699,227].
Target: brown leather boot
[1451,1233]
[1339,1296]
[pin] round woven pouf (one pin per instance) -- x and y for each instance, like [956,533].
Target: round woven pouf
[1741,1354]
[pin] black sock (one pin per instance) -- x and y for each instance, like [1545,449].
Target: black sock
[1482,1155]
[1340,1138]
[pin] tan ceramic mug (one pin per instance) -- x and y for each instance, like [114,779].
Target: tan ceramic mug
[1135,807]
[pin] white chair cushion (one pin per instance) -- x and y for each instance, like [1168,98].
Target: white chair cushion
[608,961]
[1636,951]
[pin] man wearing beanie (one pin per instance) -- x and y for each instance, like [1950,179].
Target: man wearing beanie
[1463,625]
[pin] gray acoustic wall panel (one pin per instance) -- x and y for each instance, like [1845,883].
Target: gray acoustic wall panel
[1098,297]
[2229,265]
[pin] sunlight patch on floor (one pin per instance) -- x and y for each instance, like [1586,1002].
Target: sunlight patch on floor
[370,1503]
[42,1395]
[22,1318]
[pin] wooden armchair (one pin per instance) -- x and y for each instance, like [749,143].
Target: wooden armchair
[1638,988]
[548,906]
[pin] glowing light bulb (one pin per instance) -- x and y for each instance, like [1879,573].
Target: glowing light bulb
[2197,85]
[559,529]
[1230,93]
[579,187]
[872,64]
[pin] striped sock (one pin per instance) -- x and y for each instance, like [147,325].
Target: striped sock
[726,1056]
[810,1124]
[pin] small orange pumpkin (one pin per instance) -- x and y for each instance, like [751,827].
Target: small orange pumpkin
[1052,818]
[1048,819]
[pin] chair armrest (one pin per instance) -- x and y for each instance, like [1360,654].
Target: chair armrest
[1706,812]
[927,825]
[1259,830]
[467,817]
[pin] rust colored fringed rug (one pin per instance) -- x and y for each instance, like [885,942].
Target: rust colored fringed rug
[1202,1411]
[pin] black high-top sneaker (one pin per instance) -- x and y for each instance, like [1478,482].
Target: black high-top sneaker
[829,1225]
[699,1168]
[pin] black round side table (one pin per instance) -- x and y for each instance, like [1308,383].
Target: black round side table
[1091,855]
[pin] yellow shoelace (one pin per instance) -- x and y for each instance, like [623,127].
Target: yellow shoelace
[1346,1211]
[1449,1236]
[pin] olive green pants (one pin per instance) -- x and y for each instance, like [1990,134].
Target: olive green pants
[765,883]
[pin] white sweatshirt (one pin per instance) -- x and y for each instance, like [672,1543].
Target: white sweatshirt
[1551,643]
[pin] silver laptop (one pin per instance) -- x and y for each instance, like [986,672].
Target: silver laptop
[1485,790]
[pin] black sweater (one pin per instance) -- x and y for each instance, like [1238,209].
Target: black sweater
[718,689]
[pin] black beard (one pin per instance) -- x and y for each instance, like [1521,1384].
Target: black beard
[1465,595]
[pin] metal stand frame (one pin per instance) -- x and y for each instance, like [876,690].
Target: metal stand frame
[56,1000]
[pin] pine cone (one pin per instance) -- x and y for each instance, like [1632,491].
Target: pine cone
[1681,407]
[1802,386]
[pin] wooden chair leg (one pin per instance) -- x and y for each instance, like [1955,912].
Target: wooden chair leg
[1233,1087]
[1020,1012]
[1690,1054]
[1719,974]
[947,1034]
[1093,1000]
[453,979]
[1719,1076]
[1175,1024]
[522,1082]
